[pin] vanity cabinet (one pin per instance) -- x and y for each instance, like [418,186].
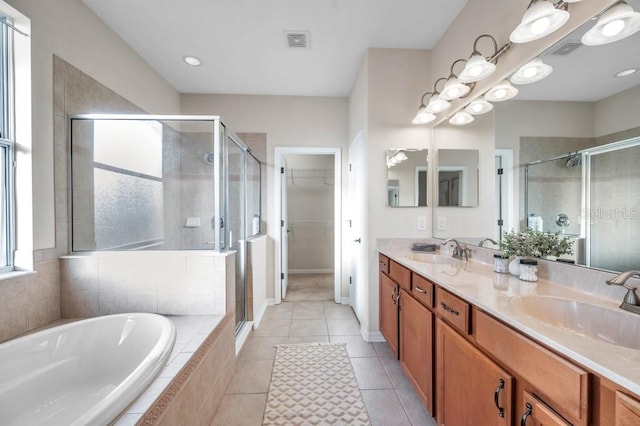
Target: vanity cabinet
[393,277]
[389,320]
[471,388]
[537,413]
[556,382]
[416,346]
[627,410]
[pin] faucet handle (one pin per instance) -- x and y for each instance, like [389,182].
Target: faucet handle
[631,297]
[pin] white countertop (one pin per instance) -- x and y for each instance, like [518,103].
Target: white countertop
[476,283]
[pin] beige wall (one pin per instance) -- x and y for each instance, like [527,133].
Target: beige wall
[288,121]
[70,30]
[618,112]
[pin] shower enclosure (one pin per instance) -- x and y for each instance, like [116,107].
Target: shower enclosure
[593,196]
[163,183]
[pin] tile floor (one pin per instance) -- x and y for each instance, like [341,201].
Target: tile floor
[310,287]
[388,395]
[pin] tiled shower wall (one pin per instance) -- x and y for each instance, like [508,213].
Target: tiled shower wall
[170,282]
[185,282]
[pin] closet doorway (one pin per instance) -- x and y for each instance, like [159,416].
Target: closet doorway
[308,255]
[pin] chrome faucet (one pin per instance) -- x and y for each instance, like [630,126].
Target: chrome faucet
[491,240]
[631,300]
[458,251]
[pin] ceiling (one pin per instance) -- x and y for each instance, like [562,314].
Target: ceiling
[241,43]
[588,73]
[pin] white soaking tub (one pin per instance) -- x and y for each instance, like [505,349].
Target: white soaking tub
[82,373]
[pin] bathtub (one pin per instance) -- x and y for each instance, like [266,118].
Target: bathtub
[82,373]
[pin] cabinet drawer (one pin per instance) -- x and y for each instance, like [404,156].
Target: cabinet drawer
[383,263]
[627,410]
[400,275]
[422,290]
[453,310]
[560,384]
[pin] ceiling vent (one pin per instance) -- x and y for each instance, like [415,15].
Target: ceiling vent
[297,39]
[566,48]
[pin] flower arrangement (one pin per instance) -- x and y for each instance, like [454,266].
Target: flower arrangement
[532,243]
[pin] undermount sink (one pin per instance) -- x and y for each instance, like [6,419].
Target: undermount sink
[432,258]
[608,325]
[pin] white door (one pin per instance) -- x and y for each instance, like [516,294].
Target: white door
[284,230]
[357,225]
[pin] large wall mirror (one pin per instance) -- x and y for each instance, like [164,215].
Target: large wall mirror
[406,177]
[575,134]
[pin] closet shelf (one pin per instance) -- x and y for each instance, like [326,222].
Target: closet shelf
[325,174]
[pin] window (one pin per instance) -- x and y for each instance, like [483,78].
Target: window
[7,234]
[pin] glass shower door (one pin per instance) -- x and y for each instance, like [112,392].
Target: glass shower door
[614,209]
[235,227]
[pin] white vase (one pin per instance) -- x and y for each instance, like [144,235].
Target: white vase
[514,266]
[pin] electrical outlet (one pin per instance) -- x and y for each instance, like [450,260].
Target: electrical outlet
[442,223]
[422,223]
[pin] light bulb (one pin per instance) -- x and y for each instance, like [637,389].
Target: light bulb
[500,93]
[476,107]
[530,72]
[613,28]
[539,26]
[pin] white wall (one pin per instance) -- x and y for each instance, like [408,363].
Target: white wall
[288,121]
[70,30]
[395,80]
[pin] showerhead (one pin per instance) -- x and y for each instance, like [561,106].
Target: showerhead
[574,160]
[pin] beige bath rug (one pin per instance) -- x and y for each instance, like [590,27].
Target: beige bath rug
[314,384]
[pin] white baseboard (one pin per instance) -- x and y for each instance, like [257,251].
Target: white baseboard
[257,318]
[344,301]
[371,336]
[310,271]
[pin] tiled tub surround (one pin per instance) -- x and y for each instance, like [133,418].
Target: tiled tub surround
[476,282]
[164,282]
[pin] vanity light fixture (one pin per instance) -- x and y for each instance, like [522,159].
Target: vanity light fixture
[617,22]
[479,106]
[437,103]
[532,71]
[501,92]
[454,88]
[479,67]
[626,72]
[541,19]
[461,118]
[192,60]
[423,116]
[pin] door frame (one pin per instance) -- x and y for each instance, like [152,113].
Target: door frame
[279,155]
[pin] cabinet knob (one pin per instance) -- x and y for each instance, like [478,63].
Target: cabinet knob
[496,398]
[526,414]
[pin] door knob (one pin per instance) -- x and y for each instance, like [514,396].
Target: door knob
[357,240]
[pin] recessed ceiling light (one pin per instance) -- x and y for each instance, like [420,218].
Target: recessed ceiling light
[626,72]
[192,60]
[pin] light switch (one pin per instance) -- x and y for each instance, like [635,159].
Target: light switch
[442,223]
[422,223]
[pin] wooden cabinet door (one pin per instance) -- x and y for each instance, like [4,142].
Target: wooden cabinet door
[389,295]
[416,346]
[627,410]
[536,413]
[471,389]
